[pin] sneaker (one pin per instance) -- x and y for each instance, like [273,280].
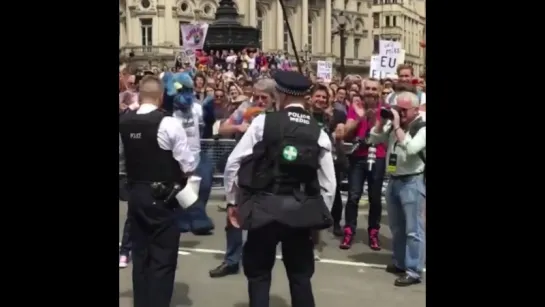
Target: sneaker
[124,261]
[316,255]
[346,243]
[374,243]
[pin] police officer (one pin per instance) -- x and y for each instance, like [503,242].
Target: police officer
[157,157]
[287,183]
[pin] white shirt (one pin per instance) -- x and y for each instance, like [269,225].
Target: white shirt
[191,124]
[408,161]
[170,136]
[254,134]
[251,62]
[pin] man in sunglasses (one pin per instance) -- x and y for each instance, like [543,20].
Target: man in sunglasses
[236,125]
[367,163]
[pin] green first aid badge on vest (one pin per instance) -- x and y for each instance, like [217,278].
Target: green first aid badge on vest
[289,153]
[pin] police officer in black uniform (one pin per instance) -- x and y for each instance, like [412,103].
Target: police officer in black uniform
[286,183]
[157,161]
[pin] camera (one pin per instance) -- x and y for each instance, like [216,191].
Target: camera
[386,113]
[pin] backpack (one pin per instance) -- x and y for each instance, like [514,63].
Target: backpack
[413,130]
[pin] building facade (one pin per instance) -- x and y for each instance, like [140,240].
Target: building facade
[403,21]
[151,28]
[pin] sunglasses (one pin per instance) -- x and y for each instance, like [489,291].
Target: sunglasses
[219,96]
[385,93]
[370,88]
[262,97]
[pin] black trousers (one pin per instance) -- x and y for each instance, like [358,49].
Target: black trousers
[357,175]
[259,256]
[337,208]
[126,243]
[155,239]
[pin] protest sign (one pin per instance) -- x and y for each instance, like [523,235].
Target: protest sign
[193,35]
[374,71]
[389,55]
[324,70]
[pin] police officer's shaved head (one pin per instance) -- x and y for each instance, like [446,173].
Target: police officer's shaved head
[151,89]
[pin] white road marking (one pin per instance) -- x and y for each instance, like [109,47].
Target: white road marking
[186,251]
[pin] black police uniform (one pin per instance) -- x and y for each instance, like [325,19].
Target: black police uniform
[154,233]
[282,201]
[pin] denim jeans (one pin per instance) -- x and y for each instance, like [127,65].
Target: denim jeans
[233,251]
[195,218]
[358,173]
[126,242]
[405,199]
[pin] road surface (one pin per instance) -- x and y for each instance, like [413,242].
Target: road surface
[352,277]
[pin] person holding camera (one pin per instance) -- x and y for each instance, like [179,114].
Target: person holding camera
[405,131]
[158,161]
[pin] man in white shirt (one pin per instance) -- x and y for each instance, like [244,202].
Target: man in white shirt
[157,157]
[406,192]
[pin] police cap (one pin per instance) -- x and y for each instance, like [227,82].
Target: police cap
[292,83]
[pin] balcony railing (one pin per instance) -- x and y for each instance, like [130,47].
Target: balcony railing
[391,31]
[148,51]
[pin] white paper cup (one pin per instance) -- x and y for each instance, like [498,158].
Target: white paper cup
[190,193]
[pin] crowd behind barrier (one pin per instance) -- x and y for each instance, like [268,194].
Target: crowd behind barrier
[218,151]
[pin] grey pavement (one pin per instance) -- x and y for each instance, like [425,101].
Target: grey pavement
[353,277]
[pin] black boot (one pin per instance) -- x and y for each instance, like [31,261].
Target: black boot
[223,270]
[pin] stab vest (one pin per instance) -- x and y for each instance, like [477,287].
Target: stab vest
[279,180]
[145,161]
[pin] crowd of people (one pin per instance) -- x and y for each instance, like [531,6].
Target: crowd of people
[376,116]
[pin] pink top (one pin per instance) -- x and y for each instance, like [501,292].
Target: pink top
[361,131]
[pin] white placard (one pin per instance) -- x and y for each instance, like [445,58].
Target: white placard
[193,35]
[324,70]
[389,55]
[375,72]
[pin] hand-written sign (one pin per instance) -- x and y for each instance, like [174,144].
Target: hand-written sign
[324,70]
[388,57]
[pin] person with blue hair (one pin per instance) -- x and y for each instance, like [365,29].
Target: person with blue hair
[180,98]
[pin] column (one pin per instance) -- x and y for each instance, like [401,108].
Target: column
[252,13]
[279,27]
[304,23]
[328,30]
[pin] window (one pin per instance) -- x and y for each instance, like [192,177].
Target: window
[310,34]
[356,48]
[376,20]
[376,44]
[147,37]
[259,26]
[388,1]
[286,37]
[345,4]
[358,6]
[145,4]
[375,2]
[180,29]
[394,21]
[394,1]
[387,21]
